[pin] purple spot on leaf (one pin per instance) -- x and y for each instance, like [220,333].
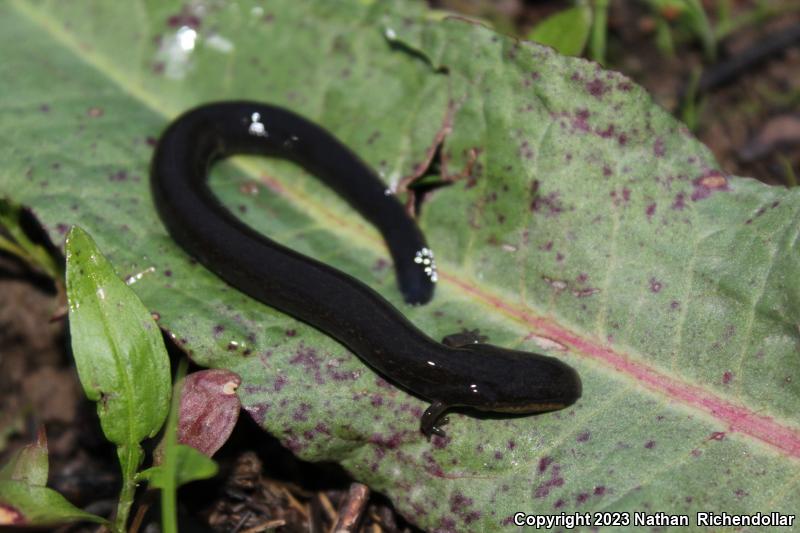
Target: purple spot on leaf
[708,183]
[596,87]
[655,285]
[658,148]
[680,202]
[279,383]
[184,18]
[301,413]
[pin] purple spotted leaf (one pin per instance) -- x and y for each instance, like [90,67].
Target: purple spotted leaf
[582,221]
[209,409]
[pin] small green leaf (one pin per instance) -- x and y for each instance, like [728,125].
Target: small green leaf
[118,349]
[663,38]
[120,355]
[567,31]
[28,464]
[23,504]
[20,244]
[190,465]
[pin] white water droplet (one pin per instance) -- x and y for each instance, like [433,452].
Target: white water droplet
[220,44]
[175,52]
[186,38]
[133,278]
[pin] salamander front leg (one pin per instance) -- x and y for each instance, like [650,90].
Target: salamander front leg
[430,418]
[464,338]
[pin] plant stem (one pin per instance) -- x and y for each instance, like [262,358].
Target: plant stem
[169,515]
[129,458]
[753,16]
[689,113]
[702,28]
[597,46]
[789,176]
[11,247]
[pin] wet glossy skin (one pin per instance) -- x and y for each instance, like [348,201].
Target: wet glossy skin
[475,375]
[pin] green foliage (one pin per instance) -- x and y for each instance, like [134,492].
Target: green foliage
[25,504]
[597,45]
[121,359]
[759,13]
[583,221]
[20,245]
[190,465]
[176,464]
[691,105]
[118,349]
[123,365]
[567,31]
[24,499]
[689,17]
[28,464]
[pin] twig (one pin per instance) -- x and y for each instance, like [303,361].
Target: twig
[352,509]
[727,71]
[263,526]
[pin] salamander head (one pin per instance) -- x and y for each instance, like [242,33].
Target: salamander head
[523,382]
[490,378]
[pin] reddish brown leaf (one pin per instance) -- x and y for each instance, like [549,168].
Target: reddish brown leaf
[209,409]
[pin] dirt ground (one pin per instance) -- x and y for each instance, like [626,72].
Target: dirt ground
[752,123]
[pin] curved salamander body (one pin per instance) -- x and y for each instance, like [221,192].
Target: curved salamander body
[475,375]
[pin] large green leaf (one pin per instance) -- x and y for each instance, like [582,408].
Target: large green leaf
[583,222]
